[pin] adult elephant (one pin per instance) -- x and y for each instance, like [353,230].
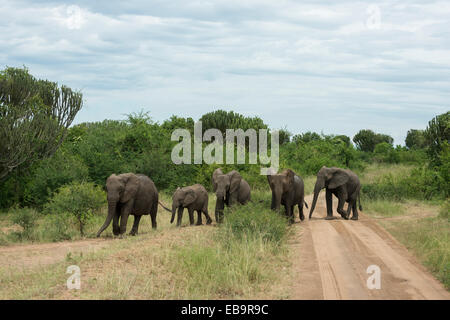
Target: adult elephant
[229,189]
[194,198]
[344,184]
[129,193]
[288,189]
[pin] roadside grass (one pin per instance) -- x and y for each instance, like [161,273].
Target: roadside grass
[242,259]
[429,239]
[198,262]
[375,171]
[61,227]
[383,208]
[421,227]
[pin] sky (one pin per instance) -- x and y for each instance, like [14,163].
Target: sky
[326,66]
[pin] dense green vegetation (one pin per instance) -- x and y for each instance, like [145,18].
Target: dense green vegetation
[93,151]
[65,187]
[34,117]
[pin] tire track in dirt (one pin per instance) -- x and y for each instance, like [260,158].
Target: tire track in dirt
[332,256]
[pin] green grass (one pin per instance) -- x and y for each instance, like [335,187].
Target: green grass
[383,207]
[198,262]
[375,171]
[429,240]
[420,226]
[242,256]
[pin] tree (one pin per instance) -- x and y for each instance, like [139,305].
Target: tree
[306,137]
[415,139]
[224,120]
[284,136]
[437,136]
[80,199]
[366,140]
[34,117]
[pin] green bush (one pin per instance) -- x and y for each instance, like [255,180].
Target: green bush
[52,173]
[26,218]
[81,200]
[57,227]
[422,183]
[254,221]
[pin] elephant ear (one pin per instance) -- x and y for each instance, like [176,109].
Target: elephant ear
[235,180]
[189,198]
[131,182]
[290,176]
[338,178]
[216,173]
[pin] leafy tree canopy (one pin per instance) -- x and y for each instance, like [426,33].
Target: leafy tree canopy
[34,117]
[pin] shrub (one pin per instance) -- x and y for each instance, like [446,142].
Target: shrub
[421,183]
[254,221]
[26,218]
[57,227]
[52,173]
[81,200]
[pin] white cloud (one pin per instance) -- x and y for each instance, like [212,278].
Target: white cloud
[311,62]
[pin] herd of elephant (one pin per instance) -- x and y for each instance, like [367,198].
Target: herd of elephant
[136,194]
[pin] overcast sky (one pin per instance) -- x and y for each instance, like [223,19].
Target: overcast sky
[330,66]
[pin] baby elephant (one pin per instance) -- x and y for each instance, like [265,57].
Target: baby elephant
[287,189]
[194,198]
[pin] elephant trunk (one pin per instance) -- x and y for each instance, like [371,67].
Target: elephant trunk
[319,186]
[111,212]
[277,199]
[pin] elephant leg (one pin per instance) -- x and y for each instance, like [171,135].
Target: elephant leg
[208,218]
[218,212]
[233,198]
[342,196]
[329,199]
[349,210]
[288,212]
[180,216]
[291,214]
[153,214]
[340,208]
[199,218]
[123,222]
[355,211]
[134,230]
[191,216]
[300,211]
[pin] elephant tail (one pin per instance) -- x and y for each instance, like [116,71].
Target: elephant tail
[359,201]
[306,205]
[164,206]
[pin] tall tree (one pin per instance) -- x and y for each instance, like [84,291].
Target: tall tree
[34,117]
[437,136]
[415,139]
[366,140]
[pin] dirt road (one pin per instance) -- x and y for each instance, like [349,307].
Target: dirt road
[334,256]
[330,259]
[40,255]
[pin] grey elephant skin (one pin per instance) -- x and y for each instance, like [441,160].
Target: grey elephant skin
[129,193]
[288,190]
[230,188]
[194,198]
[344,184]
